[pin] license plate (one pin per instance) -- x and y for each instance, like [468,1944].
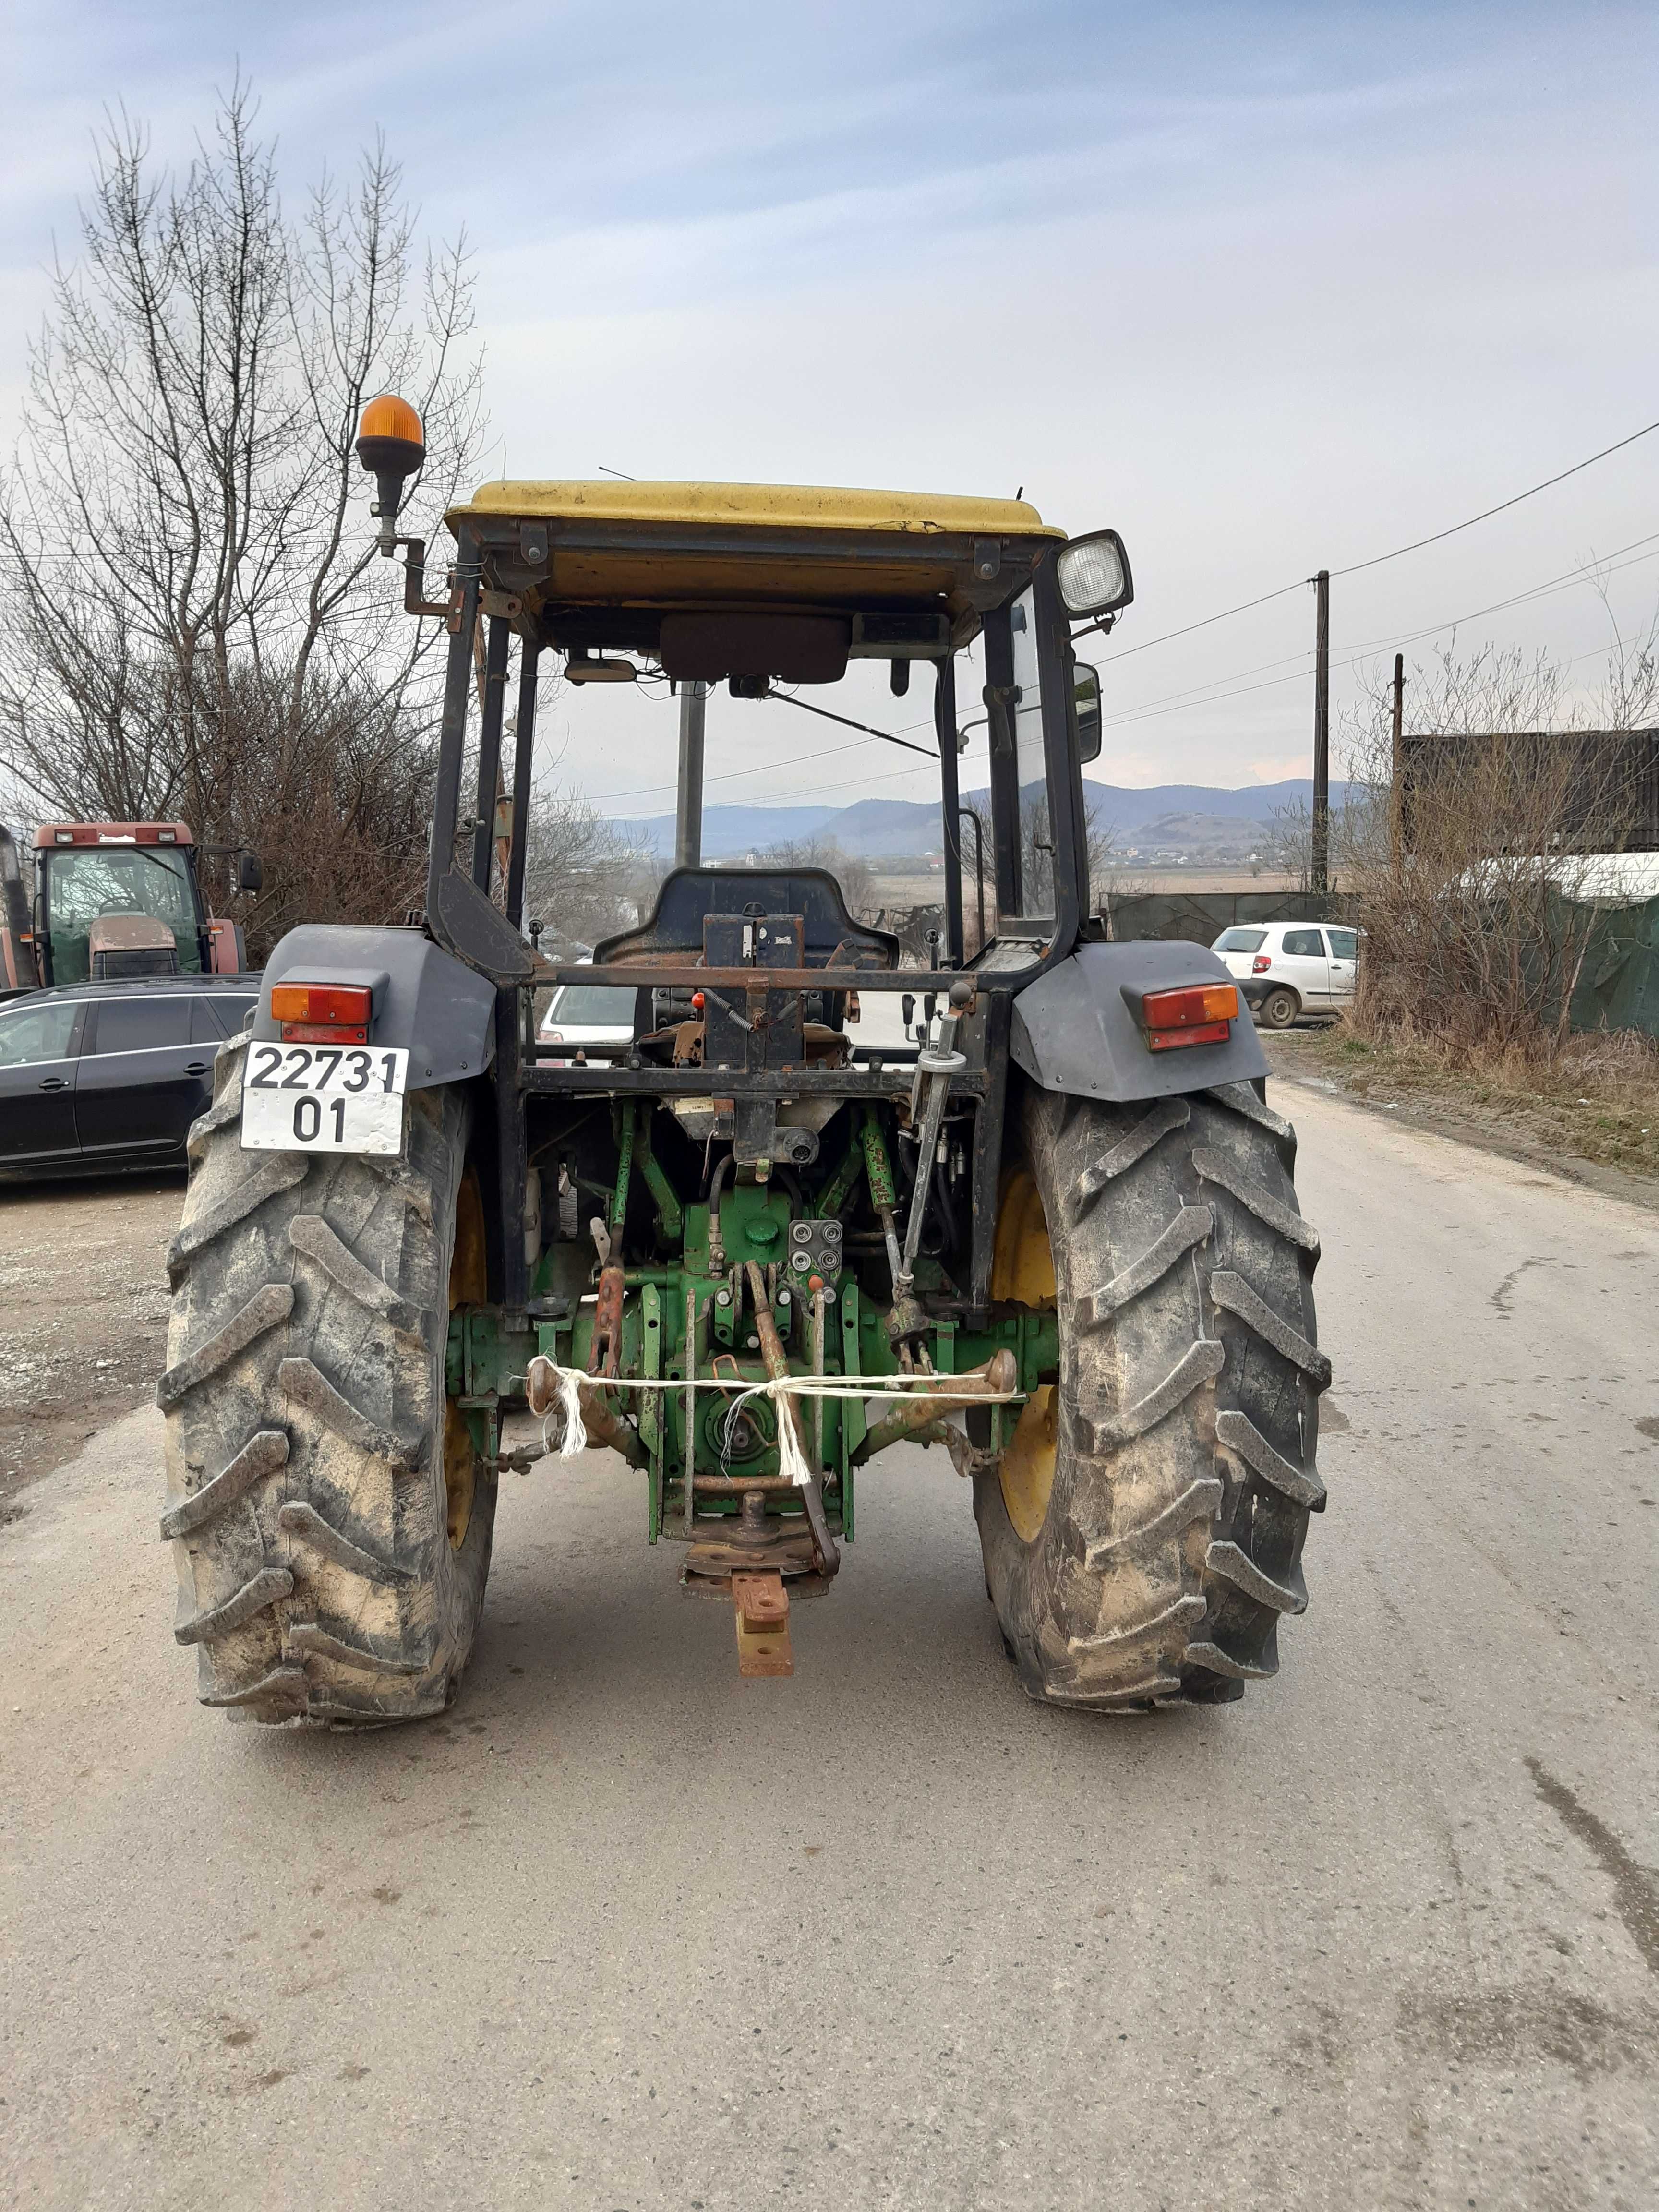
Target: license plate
[323,1098]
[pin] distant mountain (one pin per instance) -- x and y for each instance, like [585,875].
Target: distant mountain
[887,828]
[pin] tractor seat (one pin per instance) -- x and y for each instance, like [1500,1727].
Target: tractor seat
[672,933]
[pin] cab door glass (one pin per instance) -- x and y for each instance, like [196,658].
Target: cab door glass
[37,1033]
[1036,834]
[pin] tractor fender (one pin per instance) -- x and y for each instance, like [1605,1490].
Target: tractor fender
[1073,1030]
[426,1000]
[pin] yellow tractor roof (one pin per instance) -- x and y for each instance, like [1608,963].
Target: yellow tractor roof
[607,560]
[771,507]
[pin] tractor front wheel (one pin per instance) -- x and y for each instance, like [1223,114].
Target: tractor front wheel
[1142,1534]
[330,1524]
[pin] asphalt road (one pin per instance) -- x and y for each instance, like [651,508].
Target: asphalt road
[623,1932]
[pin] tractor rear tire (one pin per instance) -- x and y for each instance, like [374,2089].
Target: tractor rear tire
[331,1524]
[1142,1533]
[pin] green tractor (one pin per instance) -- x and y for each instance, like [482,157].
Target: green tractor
[1054,1231]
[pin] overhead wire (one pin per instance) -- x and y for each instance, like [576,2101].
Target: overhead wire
[1206,694]
[799,760]
[1376,560]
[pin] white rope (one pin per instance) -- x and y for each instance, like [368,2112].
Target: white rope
[790,1459]
[574,1439]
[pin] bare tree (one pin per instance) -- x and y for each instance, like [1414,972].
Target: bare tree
[1102,840]
[855,875]
[1476,878]
[1629,695]
[978,855]
[1289,844]
[584,876]
[193,622]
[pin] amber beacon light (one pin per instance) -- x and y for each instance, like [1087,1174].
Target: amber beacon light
[391,446]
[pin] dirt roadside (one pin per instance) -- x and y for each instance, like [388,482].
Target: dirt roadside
[83,1313]
[1562,1134]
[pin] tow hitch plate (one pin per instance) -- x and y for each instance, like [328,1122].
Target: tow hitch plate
[762,1607]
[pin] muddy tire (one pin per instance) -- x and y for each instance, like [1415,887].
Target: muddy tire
[332,1542]
[1143,1533]
[1278,1010]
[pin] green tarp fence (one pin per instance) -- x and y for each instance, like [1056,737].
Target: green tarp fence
[1619,983]
[1200,917]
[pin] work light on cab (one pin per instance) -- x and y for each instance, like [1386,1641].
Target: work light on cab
[391,446]
[321,1013]
[1093,574]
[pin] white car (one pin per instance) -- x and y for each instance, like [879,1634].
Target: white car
[581,1015]
[1287,969]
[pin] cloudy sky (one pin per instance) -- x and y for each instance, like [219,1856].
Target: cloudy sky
[1268,288]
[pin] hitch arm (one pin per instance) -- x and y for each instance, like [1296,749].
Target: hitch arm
[826,1556]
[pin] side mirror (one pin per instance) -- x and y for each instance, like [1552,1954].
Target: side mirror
[250,876]
[1093,575]
[1086,700]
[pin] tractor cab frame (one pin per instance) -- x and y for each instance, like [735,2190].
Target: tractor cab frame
[757,585]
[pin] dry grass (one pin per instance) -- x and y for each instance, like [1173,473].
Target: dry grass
[1598,1100]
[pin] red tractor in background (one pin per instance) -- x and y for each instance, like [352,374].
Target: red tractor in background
[114,900]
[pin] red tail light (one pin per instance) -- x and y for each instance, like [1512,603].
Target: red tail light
[1261,963]
[1200,1013]
[322,1013]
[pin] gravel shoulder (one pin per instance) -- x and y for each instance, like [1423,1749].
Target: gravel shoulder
[83,1312]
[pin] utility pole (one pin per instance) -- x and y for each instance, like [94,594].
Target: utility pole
[1397,786]
[1321,764]
[688,812]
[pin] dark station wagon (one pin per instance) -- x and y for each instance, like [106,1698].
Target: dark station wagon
[99,1078]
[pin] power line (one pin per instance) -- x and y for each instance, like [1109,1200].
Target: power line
[1502,507]
[1146,644]
[1376,560]
[799,760]
[1205,694]
[1173,703]
[731,774]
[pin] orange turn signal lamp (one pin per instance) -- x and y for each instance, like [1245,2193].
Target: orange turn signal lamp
[321,1013]
[1198,1013]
